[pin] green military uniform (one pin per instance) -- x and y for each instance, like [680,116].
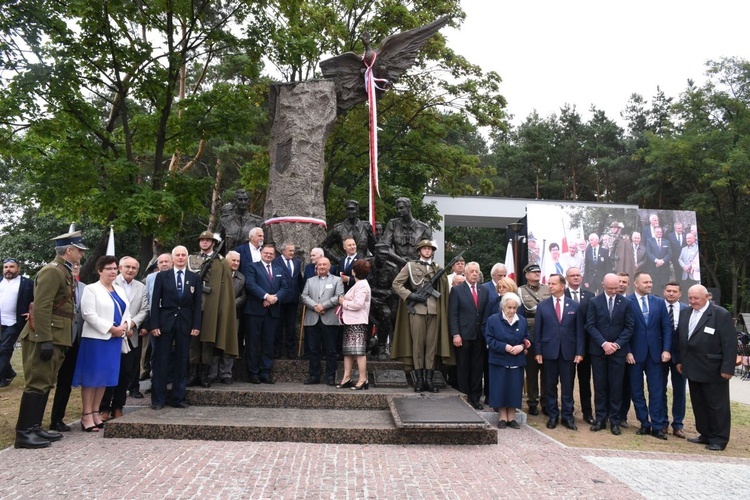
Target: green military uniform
[43,346]
[530,298]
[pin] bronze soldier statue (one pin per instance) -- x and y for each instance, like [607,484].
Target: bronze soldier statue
[236,222]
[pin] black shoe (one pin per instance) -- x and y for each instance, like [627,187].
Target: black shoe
[533,410]
[29,439]
[157,407]
[570,424]
[545,412]
[254,379]
[136,395]
[227,381]
[331,382]
[502,424]
[588,418]
[551,423]
[643,431]
[345,385]
[698,440]
[659,434]
[362,387]
[269,381]
[6,382]
[598,426]
[59,427]
[513,425]
[50,436]
[624,424]
[616,430]
[312,381]
[180,405]
[715,447]
[476,405]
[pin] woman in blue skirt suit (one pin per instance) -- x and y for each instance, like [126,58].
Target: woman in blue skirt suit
[507,336]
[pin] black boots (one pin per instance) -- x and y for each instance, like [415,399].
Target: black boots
[204,371]
[29,433]
[193,377]
[417,377]
[429,384]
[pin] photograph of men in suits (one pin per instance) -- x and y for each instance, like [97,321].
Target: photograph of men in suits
[267,287]
[648,348]
[706,357]
[559,347]
[175,317]
[466,307]
[596,263]
[321,297]
[658,257]
[609,323]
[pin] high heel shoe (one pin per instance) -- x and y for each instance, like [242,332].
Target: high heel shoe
[93,428]
[345,385]
[100,425]
[365,385]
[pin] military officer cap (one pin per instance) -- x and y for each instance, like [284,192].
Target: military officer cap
[427,243]
[532,268]
[208,235]
[351,203]
[75,239]
[617,224]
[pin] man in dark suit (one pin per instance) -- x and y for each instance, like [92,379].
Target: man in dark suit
[310,270]
[286,335]
[267,288]
[466,306]
[574,291]
[706,357]
[609,322]
[648,348]
[346,262]
[676,242]
[175,317]
[596,264]
[672,294]
[249,253]
[658,257]
[16,293]
[559,346]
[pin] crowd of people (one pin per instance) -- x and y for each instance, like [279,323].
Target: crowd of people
[192,315]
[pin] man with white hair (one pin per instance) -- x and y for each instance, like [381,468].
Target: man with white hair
[315,254]
[498,272]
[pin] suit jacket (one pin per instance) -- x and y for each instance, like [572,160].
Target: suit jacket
[238,282]
[595,271]
[585,297]
[98,310]
[258,284]
[688,257]
[675,337]
[652,337]
[712,349]
[465,318]
[25,297]
[347,271]
[78,319]
[246,257]
[296,280]
[640,263]
[356,306]
[603,328]
[654,251]
[493,307]
[676,246]
[169,310]
[325,291]
[491,289]
[138,306]
[555,339]
[500,334]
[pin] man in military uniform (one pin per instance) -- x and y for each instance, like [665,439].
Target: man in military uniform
[620,250]
[219,324]
[403,234]
[46,337]
[236,222]
[352,227]
[531,294]
[422,335]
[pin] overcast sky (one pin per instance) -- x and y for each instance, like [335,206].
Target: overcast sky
[586,52]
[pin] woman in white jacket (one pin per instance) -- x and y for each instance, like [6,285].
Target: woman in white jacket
[106,320]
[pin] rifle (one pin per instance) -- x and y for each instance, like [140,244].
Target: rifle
[207,265]
[428,290]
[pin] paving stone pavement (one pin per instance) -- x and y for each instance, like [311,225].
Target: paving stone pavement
[524,464]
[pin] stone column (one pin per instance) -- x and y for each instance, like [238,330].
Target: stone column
[302,117]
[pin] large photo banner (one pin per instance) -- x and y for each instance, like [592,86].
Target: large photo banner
[603,239]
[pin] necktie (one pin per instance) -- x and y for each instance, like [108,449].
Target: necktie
[679,240]
[179,283]
[558,311]
[693,322]
[474,294]
[594,254]
[644,306]
[426,264]
[348,263]
[270,274]
[558,268]
[611,306]
[575,295]
[658,242]
[671,316]
[289,266]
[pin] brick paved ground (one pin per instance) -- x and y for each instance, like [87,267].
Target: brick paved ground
[524,464]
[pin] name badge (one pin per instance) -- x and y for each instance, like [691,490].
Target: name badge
[709,330]
[329,286]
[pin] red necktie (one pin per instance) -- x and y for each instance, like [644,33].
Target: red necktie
[558,311]
[476,299]
[270,275]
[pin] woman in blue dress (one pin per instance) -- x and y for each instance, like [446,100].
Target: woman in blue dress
[106,320]
[507,336]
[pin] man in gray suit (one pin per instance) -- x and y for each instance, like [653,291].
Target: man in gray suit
[321,297]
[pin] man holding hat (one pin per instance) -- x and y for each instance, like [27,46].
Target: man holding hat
[218,338]
[531,294]
[427,325]
[46,337]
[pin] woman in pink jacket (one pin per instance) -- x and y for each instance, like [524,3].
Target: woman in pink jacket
[355,306]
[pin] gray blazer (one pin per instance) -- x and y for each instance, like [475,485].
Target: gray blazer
[325,291]
[238,280]
[138,307]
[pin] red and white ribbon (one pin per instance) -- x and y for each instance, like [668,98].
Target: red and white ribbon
[371,84]
[293,219]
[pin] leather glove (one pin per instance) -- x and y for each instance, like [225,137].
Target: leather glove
[45,351]
[414,297]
